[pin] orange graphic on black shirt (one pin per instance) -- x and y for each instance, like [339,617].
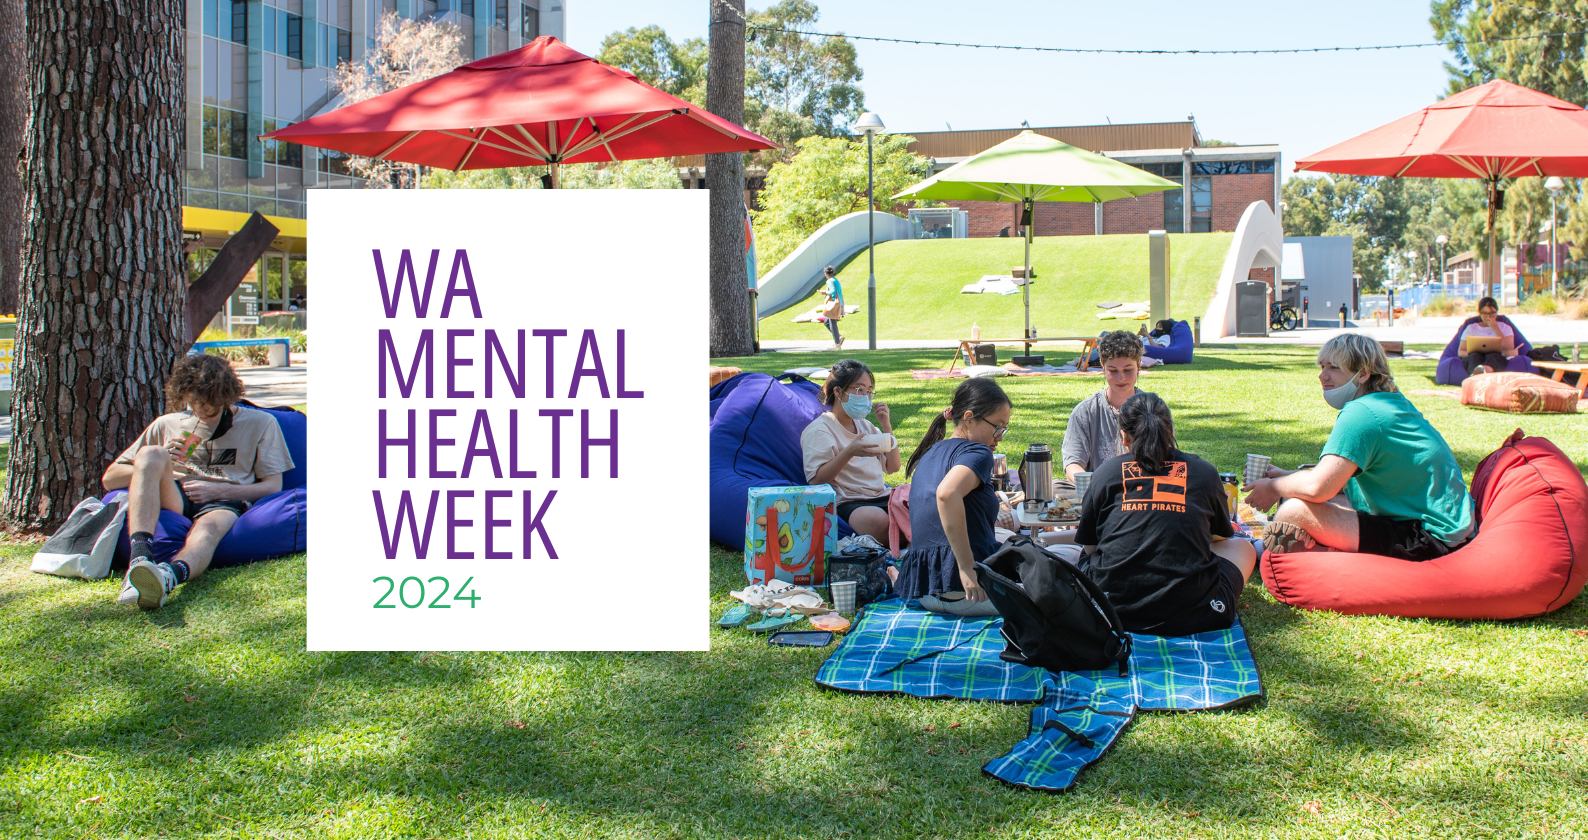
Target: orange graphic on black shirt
[1155,492]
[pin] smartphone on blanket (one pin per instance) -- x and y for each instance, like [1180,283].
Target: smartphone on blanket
[802,638]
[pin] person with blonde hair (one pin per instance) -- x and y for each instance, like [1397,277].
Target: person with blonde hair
[1387,482]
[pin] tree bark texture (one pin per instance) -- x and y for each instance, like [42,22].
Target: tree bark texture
[209,294]
[103,281]
[13,121]
[732,333]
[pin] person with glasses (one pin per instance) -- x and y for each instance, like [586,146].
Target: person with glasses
[1092,434]
[1489,326]
[837,454]
[953,509]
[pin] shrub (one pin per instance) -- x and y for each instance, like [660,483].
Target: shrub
[1541,304]
[1445,305]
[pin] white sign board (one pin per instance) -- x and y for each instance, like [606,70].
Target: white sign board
[510,442]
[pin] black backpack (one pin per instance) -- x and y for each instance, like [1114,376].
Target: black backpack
[1055,617]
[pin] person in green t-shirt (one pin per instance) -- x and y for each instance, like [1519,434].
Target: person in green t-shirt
[1387,483]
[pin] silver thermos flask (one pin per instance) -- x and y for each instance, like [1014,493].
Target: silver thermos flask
[1036,472]
[1000,472]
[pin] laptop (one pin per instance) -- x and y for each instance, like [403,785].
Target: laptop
[1482,344]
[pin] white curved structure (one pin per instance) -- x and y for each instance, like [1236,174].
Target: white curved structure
[1259,243]
[801,272]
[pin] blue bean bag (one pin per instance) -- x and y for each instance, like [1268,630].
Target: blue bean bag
[755,442]
[276,525]
[1179,350]
[1452,371]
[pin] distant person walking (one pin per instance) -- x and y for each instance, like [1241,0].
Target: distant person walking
[833,305]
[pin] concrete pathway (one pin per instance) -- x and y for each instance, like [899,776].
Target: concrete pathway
[1539,329]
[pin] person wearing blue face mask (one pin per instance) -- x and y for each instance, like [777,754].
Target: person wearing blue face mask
[1387,482]
[837,452]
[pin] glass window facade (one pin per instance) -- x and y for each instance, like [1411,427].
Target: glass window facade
[529,25]
[1233,167]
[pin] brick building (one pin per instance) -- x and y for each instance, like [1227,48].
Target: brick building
[1221,180]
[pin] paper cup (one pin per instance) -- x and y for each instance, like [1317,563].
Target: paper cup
[1256,468]
[843,592]
[1083,480]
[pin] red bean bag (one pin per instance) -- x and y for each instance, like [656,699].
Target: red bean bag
[1530,556]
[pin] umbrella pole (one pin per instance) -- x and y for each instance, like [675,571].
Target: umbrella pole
[1491,283]
[1030,221]
[554,173]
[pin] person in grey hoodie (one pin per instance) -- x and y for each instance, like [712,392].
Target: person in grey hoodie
[1092,434]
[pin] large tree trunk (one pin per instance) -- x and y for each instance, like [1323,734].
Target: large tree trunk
[103,279]
[732,333]
[13,119]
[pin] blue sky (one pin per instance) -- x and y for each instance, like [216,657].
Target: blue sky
[1304,103]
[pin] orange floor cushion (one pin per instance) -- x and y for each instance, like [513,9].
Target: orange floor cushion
[718,374]
[1529,557]
[1519,393]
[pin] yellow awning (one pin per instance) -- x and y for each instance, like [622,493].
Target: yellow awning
[293,237]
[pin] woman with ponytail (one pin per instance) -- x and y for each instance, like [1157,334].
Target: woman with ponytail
[952,503]
[1155,531]
[836,452]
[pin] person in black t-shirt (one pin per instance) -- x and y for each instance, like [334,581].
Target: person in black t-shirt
[1155,531]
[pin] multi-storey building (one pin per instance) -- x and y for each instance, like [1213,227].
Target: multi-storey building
[258,65]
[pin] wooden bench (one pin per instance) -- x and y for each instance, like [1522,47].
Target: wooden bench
[286,346]
[967,347]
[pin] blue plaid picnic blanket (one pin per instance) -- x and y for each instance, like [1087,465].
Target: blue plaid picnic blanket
[893,649]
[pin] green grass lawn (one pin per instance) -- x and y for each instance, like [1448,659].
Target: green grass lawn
[207,718]
[918,286]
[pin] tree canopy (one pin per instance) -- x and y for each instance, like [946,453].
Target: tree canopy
[678,68]
[650,174]
[826,179]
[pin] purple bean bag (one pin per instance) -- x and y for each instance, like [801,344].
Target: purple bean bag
[755,442]
[1180,345]
[1453,372]
[276,525]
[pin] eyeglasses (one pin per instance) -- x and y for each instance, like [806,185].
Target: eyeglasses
[998,431]
[860,391]
[1488,312]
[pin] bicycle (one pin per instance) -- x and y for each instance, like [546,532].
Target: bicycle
[1282,316]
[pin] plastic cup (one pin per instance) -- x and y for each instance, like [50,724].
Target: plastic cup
[843,592]
[882,440]
[1083,480]
[1256,468]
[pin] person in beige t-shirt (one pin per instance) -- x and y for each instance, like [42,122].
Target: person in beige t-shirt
[208,463]
[837,454]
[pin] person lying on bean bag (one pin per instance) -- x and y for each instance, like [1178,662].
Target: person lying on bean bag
[1387,482]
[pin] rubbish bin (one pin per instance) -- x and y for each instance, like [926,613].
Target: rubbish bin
[8,335]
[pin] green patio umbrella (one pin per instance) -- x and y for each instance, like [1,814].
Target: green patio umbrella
[1029,168]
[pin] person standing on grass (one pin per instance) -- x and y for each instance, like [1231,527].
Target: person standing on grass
[1155,531]
[1489,326]
[208,462]
[1092,434]
[1387,483]
[837,454]
[953,509]
[833,304]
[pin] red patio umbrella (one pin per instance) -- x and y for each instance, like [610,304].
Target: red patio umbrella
[1492,131]
[541,104]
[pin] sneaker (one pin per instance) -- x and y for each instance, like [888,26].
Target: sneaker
[1285,537]
[129,593]
[153,582]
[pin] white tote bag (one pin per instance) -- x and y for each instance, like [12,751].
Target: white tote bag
[84,546]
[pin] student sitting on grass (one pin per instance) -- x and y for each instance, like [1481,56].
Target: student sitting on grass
[1155,531]
[1092,434]
[952,504]
[1387,483]
[208,463]
[837,454]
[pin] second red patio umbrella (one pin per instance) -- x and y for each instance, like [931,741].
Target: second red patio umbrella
[1492,131]
[541,104]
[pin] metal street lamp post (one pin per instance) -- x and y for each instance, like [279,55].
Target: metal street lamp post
[871,124]
[1554,185]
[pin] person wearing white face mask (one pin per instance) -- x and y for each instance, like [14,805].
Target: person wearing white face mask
[1387,482]
[837,454]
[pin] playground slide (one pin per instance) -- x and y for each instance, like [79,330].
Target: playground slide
[793,279]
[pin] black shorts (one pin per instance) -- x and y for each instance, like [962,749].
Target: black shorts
[845,509]
[193,510]
[1216,613]
[1404,539]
